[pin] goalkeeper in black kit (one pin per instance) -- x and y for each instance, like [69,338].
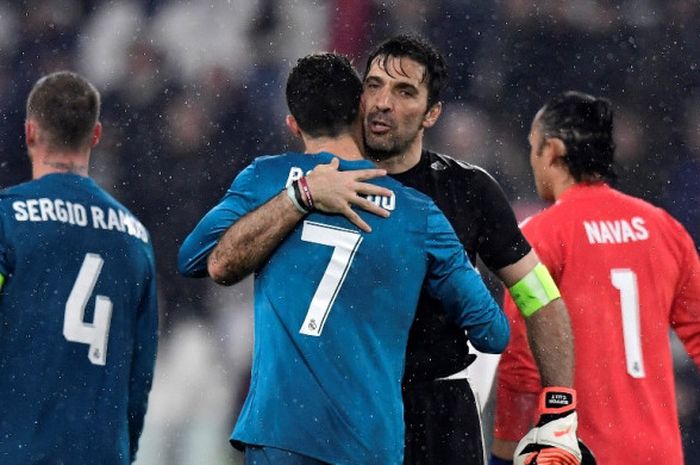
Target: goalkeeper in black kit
[401,98]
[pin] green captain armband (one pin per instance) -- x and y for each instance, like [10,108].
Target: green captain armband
[534,291]
[2,281]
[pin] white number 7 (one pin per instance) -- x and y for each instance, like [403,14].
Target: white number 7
[625,281]
[74,328]
[345,243]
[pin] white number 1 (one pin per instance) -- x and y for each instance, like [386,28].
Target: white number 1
[94,334]
[345,243]
[625,281]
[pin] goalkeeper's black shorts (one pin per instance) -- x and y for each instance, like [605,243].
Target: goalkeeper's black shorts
[443,424]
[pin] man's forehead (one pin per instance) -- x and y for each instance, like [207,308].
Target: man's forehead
[401,68]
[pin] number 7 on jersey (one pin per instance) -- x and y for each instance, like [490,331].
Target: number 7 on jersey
[345,243]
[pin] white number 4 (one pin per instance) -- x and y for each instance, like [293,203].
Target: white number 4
[94,334]
[345,243]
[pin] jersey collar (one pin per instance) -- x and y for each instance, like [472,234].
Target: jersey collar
[583,189]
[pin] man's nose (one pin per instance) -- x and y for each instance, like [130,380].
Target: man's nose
[383,101]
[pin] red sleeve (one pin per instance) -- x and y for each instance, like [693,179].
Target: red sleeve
[685,313]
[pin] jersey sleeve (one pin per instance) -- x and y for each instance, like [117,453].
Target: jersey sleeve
[685,313]
[143,362]
[455,282]
[192,257]
[4,247]
[501,242]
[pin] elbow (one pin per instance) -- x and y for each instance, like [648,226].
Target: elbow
[183,269]
[492,345]
[186,266]
[500,342]
[220,274]
[494,338]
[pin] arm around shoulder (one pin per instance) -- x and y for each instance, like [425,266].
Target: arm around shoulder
[249,242]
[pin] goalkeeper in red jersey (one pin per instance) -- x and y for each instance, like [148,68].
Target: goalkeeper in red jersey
[629,272]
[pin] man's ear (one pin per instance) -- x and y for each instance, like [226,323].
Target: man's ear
[432,115]
[293,126]
[555,149]
[96,134]
[30,133]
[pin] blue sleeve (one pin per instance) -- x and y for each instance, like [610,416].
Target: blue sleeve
[455,282]
[143,362]
[193,254]
[4,261]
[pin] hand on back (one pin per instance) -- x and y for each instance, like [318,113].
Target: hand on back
[335,191]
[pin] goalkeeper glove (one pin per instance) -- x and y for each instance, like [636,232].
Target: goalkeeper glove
[553,440]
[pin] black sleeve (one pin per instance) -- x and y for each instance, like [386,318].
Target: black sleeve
[500,241]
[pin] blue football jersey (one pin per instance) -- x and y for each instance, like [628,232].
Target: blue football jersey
[78,324]
[333,307]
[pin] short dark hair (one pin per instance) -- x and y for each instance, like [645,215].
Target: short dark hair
[323,94]
[585,124]
[419,50]
[66,106]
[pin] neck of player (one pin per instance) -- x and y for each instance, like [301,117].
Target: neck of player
[47,162]
[343,146]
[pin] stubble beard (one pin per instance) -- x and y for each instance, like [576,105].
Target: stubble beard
[385,147]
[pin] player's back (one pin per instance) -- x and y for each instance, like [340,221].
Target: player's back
[333,310]
[79,323]
[620,263]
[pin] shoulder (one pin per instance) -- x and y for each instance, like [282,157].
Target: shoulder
[17,193]
[445,165]
[282,158]
[410,195]
[17,189]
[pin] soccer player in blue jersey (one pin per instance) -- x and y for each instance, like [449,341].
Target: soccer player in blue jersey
[401,99]
[333,304]
[78,319]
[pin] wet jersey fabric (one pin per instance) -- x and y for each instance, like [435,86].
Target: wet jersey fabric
[629,273]
[78,324]
[333,307]
[479,212]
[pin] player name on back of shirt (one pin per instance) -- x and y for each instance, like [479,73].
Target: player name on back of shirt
[63,211]
[619,231]
[387,203]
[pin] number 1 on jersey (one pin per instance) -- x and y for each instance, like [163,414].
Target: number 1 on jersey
[345,243]
[94,334]
[625,281]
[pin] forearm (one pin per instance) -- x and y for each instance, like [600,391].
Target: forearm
[245,246]
[552,345]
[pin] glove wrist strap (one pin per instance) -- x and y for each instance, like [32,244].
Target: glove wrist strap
[557,401]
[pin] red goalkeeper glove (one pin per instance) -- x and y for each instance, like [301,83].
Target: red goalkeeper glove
[553,440]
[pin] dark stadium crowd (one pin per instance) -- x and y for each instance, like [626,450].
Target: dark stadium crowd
[193,91]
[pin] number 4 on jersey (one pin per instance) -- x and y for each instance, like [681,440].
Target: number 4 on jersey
[94,334]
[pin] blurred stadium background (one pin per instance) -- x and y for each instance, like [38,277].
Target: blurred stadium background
[193,90]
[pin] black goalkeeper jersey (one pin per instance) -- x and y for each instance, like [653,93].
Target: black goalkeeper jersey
[484,222]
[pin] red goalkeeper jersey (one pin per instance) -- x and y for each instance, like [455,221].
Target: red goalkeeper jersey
[628,273]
